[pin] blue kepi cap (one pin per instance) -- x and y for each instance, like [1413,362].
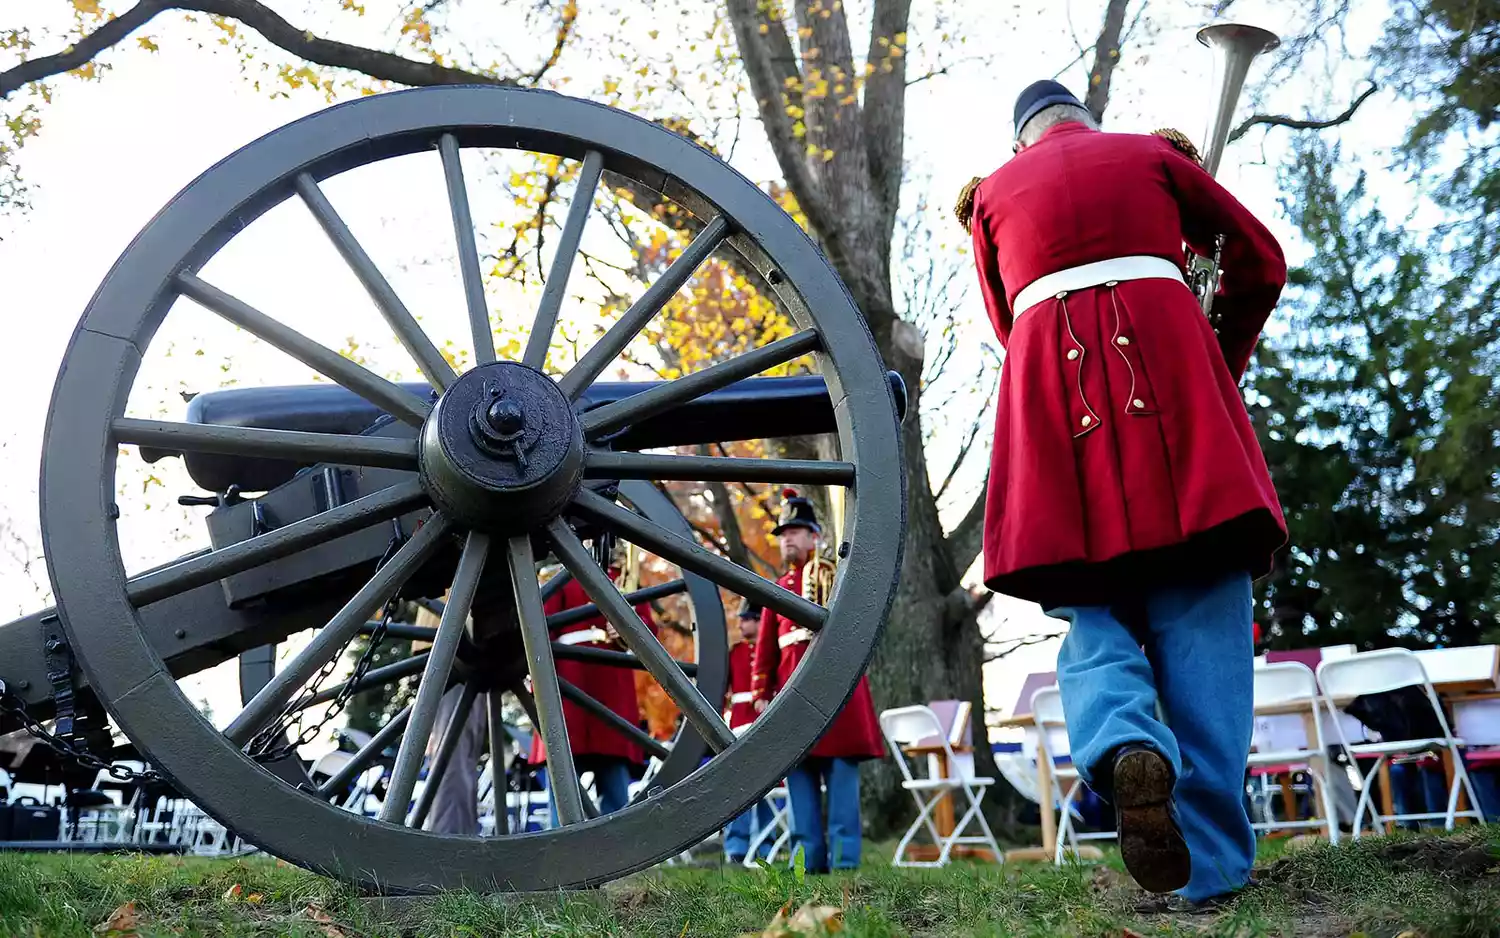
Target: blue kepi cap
[1039,95]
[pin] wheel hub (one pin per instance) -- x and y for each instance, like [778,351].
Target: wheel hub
[502,451]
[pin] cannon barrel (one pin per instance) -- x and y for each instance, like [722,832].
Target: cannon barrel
[756,408]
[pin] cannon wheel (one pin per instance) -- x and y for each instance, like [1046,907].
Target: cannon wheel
[500,510]
[710,638]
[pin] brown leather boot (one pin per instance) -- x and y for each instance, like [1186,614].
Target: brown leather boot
[1151,843]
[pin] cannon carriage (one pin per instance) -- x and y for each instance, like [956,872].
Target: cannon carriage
[330,502]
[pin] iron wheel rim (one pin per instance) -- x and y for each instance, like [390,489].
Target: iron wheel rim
[86,568]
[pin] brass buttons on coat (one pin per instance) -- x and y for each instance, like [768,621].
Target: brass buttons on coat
[1072,354]
[1123,340]
[1087,421]
[1140,404]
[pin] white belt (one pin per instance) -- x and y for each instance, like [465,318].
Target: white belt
[583,637]
[743,696]
[795,637]
[741,730]
[1055,285]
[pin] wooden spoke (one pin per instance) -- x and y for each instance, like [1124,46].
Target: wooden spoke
[387,395]
[468,251]
[562,261]
[643,310]
[345,624]
[439,373]
[704,716]
[691,557]
[341,448]
[611,417]
[273,545]
[435,677]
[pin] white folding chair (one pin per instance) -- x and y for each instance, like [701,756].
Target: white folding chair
[1287,684]
[904,726]
[1376,672]
[1052,743]
[779,827]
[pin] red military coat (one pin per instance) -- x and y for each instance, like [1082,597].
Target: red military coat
[1123,454]
[854,733]
[614,687]
[741,709]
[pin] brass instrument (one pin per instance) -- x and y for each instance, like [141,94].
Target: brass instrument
[820,571]
[818,575]
[1237,45]
[630,567]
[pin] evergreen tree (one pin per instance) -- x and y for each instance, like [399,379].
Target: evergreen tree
[1379,408]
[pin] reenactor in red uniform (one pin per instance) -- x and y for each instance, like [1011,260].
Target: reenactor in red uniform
[1127,491]
[597,748]
[739,714]
[854,736]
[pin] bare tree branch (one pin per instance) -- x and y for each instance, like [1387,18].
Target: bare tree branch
[1304,123]
[966,539]
[1010,646]
[79,54]
[1106,57]
[963,453]
[382,66]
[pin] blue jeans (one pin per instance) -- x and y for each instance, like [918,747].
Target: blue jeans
[1417,789]
[1197,662]
[1487,787]
[841,778]
[742,830]
[611,782]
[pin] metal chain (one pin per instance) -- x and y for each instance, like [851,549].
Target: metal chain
[263,748]
[66,748]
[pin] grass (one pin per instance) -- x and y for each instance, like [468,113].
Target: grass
[1431,886]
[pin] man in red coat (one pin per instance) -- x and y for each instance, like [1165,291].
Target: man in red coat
[1127,491]
[833,763]
[597,747]
[739,714]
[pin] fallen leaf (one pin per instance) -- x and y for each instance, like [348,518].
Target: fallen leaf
[232,894]
[254,897]
[330,929]
[810,920]
[1127,933]
[121,922]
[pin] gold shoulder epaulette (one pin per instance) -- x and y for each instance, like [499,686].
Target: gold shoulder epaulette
[1180,141]
[964,210]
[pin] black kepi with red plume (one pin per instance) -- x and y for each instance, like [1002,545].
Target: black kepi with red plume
[796,512]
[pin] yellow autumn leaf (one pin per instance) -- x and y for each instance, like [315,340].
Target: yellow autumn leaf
[145,43]
[87,7]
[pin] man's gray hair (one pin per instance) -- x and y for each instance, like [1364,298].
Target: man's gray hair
[1049,117]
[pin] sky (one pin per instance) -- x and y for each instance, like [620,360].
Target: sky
[113,152]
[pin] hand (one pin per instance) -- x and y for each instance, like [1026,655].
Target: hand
[760,704]
[612,635]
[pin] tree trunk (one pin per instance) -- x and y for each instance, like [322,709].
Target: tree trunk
[842,159]
[1106,57]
